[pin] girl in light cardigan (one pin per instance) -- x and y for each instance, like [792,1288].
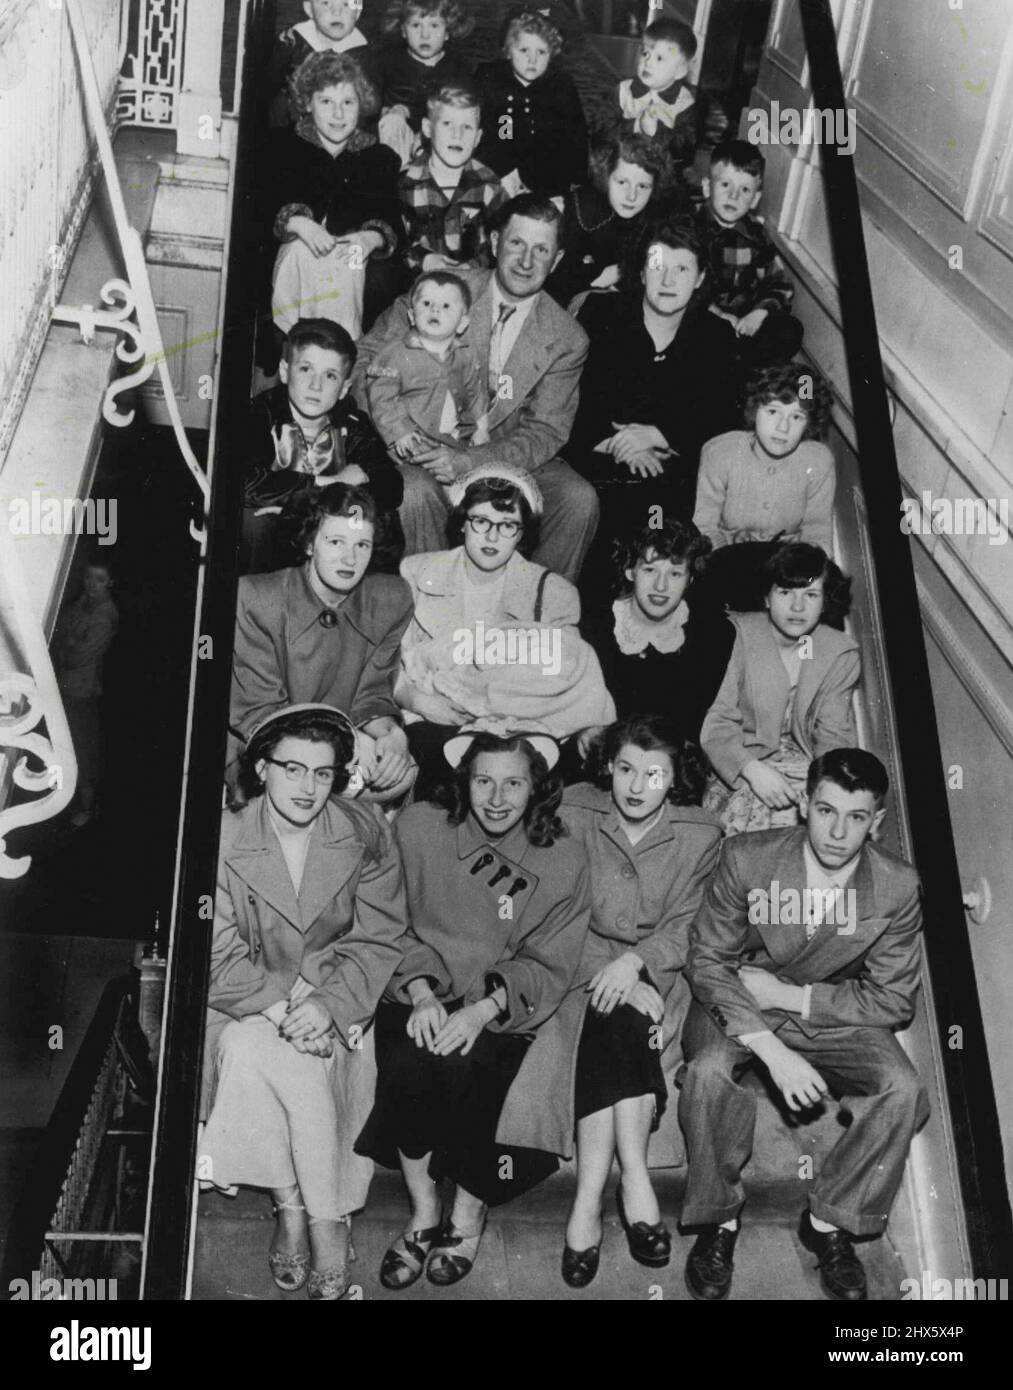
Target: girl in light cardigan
[771,483]
[786,696]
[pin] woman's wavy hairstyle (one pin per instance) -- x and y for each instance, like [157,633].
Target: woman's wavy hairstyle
[650,732]
[329,69]
[672,540]
[505,497]
[678,233]
[521,20]
[632,148]
[457,17]
[302,516]
[795,566]
[542,824]
[790,382]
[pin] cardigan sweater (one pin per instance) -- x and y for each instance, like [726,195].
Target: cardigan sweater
[739,489]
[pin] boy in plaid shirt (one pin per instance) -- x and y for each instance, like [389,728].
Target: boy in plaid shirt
[448,198]
[750,286]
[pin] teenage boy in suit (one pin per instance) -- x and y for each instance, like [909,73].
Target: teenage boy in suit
[805,956]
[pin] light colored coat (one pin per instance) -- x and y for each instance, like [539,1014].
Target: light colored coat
[645,897]
[747,716]
[545,608]
[458,881]
[343,933]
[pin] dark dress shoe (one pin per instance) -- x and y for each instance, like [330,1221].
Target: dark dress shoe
[580,1266]
[649,1245]
[710,1265]
[841,1272]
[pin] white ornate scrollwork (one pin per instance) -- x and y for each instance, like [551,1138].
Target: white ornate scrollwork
[25,700]
[145,334]
[130,350]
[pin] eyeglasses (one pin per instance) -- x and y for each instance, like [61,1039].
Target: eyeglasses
[295,772]
[482,525]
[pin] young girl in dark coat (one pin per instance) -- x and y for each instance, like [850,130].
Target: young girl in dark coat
[632,182]
[418,60]
[535,135]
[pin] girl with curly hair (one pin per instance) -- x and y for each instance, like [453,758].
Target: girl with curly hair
[661,645]
[631,183]
[651,852]
[534,131]
[310,913]
[329,195]
[420,60]
[500,907]
[771,483]
[787,696]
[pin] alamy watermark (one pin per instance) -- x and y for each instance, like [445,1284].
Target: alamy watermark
[936,1288]
[793,907]
[786,125]
[38,515]
[511,646]
[959,516]
[40,1290]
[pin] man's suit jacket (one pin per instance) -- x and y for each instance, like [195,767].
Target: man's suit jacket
[864,973]
[530,419]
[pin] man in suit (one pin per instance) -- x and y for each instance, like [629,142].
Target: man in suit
[532,352]
[806,956]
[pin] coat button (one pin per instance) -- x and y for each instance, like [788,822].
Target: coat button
[622,923]
[629,871]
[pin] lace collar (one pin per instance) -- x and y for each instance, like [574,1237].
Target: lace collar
[634,633]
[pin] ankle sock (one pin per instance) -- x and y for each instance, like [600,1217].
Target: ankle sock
[824,1227]
[732,1225]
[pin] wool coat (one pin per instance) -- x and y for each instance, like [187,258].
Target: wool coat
[645,897]
[746,719]
[460,935]
[284,656]
[342,934]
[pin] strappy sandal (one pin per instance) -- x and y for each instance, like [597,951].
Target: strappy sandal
[406,1258]
[288,1271]
[454,1255]
[328,1285]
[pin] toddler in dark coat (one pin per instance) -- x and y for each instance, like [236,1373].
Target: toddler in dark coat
[535,135]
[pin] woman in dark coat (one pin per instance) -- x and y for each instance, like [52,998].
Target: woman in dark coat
[328,630]
[651,852]
[500,907]
[310,912]
[329,196]
[660,380]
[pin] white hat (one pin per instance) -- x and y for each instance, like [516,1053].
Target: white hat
[508,473]
[455,748]
[326,713]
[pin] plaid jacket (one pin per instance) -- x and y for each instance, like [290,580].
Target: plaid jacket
[745,270]
[456,227]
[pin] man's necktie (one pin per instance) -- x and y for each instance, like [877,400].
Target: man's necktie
[496,348]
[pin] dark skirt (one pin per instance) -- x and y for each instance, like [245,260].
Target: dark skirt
[449,1107]
[615,1061]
